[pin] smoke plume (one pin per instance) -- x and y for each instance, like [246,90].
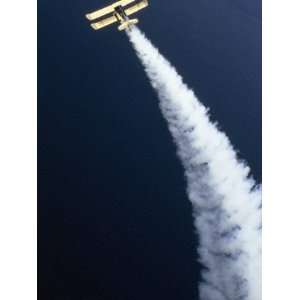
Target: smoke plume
[226,202]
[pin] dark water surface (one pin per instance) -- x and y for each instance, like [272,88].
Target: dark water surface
[114,220]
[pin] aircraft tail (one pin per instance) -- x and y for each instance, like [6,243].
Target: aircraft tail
[127,24]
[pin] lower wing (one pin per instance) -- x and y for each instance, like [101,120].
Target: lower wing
[103,23]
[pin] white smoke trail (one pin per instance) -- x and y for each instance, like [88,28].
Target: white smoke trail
[226,202]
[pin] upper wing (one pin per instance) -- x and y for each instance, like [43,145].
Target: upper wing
[133,9]
[103,23]
[107,10]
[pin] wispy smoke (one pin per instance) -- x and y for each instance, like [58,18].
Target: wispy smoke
[226,202]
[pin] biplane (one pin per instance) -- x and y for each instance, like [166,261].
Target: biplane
[117,12]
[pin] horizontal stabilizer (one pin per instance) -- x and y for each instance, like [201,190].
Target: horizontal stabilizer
[107,10]
[127,24]
[103,23]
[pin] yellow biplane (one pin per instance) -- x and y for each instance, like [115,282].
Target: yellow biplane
[117,12]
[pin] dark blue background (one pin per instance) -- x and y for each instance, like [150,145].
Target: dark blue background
[114,220]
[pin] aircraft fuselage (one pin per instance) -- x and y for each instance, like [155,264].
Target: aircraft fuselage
[120,14]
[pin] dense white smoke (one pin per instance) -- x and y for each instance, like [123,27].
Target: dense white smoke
[226,202]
